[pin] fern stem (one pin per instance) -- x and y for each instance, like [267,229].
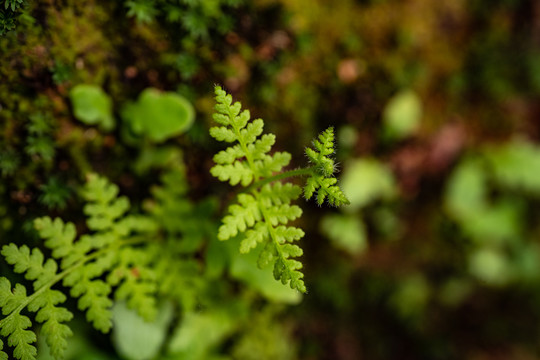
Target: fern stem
[62,275]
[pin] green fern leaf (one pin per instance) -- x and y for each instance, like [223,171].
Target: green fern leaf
[58,236]
[261,214]
[137,282]
[10,300]
[223,134]
[104,207]
[30,262]
[281,214]
[14,328]
[3,355]
[289,233]
[278,193]
[14,325]
[85,262]
[229,155]
[243,215]
[273,164]
[52,317]
[322,178]
[262,146]
[239,172]
[253,237]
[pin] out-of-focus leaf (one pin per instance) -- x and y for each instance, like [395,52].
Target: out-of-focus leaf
[159,115]
[366,180]
[136,339]
[466,201]
[347,232]
[198,333]
[516,165]
[92,106]
[402,115]
[490,265]
[500,223]
[466,191]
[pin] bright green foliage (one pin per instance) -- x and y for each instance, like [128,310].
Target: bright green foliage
[365,181]
[402,115]
[92,106]
[322,179]
[137,339]
[186,226]
[262,212]
[159,115]
[109,249]
[347,232]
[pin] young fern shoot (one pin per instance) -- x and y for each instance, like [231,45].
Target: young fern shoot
[263,210]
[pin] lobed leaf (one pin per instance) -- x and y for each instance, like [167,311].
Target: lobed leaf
[253,237]
[252,131]
[262,146]
[273,164]
[288,234]
[281,214]
[3,355]
[243,215]
[286,270]
[10,300]
[278,193]
[239,172]
[31,262]
[14,328]
[58,236]
[229,155]
[223,134]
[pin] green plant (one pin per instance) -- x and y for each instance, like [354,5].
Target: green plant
[138,258]
[196,18]
[10,10]
[79,265]
[159,115]
[92,106]
[264,208]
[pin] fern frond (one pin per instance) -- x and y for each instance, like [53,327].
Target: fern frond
[53,319]
[186,226]
[14,326]
[3,355]
[263,210]
[322,180]
[84,261]
[104,207]
[261,213]
[244,214]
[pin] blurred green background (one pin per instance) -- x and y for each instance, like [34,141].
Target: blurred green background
[436,105]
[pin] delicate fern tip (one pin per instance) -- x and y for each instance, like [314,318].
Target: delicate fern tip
[322,180]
